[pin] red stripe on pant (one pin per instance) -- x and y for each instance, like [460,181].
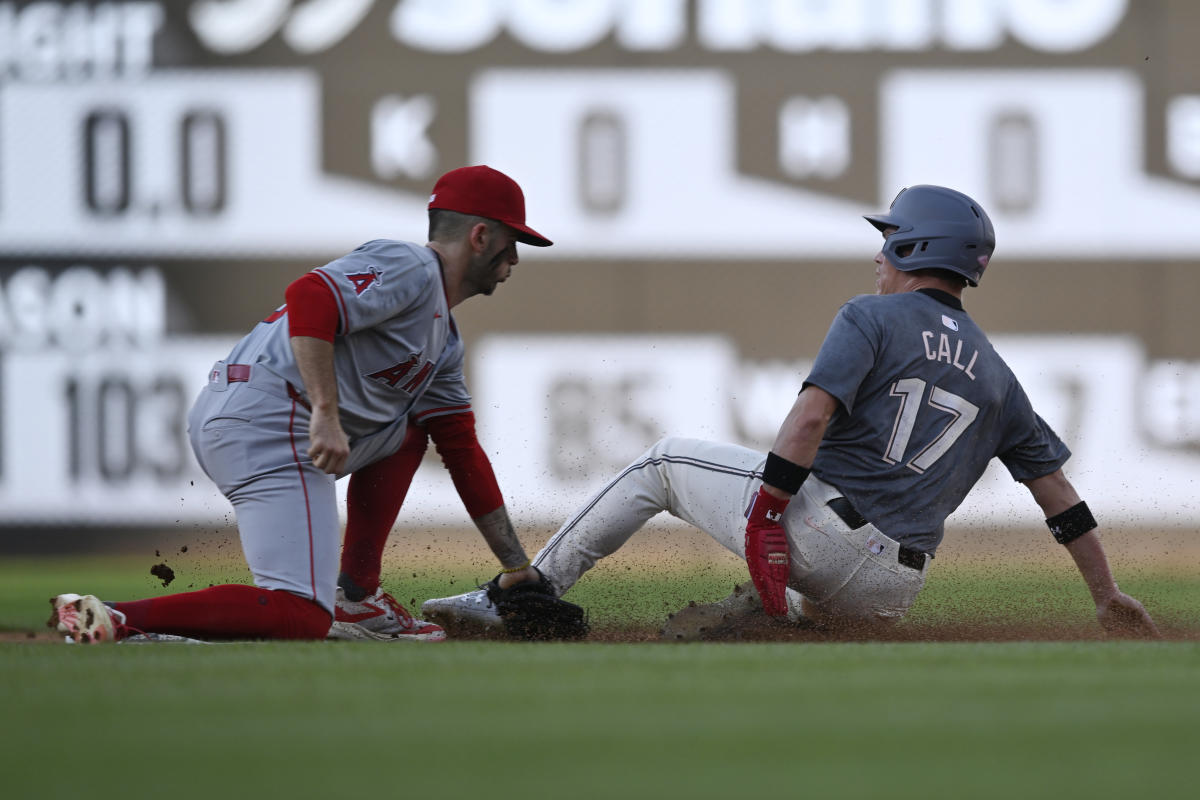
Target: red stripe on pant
[312,570]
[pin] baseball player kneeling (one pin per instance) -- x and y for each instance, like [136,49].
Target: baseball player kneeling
[905,405]
[351,377]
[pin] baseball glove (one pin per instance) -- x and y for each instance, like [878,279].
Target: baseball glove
[531,611]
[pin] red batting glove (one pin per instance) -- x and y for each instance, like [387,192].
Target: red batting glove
[767,552]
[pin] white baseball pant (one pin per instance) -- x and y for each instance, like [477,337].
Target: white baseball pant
[843,572]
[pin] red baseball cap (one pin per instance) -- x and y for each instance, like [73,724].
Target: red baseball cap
[484,192]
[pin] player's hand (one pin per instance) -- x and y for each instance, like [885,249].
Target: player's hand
[1122,615]
[527,575]
[328,446]
[767,552]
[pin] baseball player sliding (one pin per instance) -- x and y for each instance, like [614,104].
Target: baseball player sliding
[906,404]
[353,375]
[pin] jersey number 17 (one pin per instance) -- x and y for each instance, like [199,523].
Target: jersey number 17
[910,391]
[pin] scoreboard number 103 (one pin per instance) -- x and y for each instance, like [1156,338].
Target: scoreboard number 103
[122,428]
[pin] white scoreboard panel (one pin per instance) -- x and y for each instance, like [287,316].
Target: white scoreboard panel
[226,163]
[180,162]
[99,436]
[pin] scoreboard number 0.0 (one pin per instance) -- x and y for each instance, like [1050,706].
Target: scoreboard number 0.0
[200,162]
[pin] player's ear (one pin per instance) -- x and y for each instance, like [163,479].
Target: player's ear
[478,236]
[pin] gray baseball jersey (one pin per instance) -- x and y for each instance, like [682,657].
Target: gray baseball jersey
[926,402]
[397,357]
[398,353]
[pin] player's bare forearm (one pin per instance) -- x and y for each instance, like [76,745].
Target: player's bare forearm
[1092,563]
[1117,612]
[497,531]
[1055,494]
[328,446]
[801,432]
[314,359]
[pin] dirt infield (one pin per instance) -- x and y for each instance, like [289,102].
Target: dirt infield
[681,547]
[678,551]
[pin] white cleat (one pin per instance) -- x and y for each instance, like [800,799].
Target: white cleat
[159,638]
[86,620]
[379,618]
[464,614]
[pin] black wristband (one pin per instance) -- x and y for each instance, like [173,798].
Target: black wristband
[1072,523]
[783,474]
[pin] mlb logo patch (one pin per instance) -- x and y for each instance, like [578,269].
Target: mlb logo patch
[874,545]
[952,324]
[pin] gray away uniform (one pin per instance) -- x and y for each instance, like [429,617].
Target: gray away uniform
[925,403]
[397,355]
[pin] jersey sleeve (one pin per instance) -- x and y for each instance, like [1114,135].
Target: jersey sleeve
[312,309]
[1031,448]
[456,442]
[846,356]
[379,280]
[447,392]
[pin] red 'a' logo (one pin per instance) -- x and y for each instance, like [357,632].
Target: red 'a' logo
[365,280]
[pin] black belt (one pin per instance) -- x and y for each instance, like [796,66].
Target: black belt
[907,557]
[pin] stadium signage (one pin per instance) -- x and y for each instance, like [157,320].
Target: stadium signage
[250,128]
[567,26]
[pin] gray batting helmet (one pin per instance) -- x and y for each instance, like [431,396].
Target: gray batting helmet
[947,230]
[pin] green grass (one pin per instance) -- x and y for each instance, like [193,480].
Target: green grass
[478,719]
[483,719]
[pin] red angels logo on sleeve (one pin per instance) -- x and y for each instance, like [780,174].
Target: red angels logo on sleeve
[365,280]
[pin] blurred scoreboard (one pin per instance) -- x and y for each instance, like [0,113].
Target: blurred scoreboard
[99,437]
[167,167]
[221,163]
[248,128]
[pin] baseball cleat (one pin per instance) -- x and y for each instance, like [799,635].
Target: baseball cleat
[464,614]
[158,638]
[381,618]
[86,620]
